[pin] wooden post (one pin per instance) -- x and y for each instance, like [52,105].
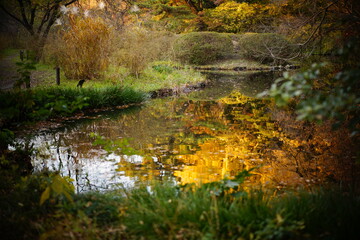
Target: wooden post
[22,55]
[57,75]
[27,84]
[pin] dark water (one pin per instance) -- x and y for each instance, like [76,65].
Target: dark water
[200,137]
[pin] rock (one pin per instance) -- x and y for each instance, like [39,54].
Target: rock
[239,68]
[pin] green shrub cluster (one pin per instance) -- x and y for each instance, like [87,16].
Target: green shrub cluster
[201,48]
[264,47]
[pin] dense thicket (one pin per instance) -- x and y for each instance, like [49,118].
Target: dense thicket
[202,47]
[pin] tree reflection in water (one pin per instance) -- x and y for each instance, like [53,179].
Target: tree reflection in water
[202,137]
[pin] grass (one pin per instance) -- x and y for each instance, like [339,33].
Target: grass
[9,52]
[43,103]
[116,87]
[151,79]
[162,75]
[165,211]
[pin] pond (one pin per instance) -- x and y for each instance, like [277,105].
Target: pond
[199,137]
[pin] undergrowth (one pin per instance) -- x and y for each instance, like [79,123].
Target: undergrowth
[220,210]
[43,103]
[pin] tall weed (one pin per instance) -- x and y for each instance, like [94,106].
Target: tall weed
[82,49]
[137,47]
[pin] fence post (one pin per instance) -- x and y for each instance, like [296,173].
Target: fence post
[57,75]
[22,55]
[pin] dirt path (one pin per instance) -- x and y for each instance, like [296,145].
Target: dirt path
[8,74]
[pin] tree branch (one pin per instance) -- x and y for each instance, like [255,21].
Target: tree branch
[319,25]
[23,14]
[26,26]
[11,15]
[44,19]
[32,18]
[52,19]
[71,2]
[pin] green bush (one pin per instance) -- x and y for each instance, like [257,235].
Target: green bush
[201,48]
[264,47]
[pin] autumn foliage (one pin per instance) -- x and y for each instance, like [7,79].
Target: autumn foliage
[238,17]
[84,49]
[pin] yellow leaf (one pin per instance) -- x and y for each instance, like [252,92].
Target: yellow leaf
[57,184]
[45,195]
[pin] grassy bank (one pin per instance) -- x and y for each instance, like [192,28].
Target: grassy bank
[171,212]
[43,103]
[158,75]
[116,87]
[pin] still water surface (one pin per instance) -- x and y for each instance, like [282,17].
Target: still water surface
[199,137]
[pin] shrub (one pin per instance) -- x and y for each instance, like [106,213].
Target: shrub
[264,47]
[138,47]
[83,50]
[202,47]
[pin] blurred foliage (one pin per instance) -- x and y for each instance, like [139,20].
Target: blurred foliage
[57,187]
[337,98]
[227,187]
[6,137]
[27,203]
[202,47]
[36,105]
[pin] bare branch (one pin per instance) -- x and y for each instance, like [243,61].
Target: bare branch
[11,15]
[32,18]
[45,18]
[16,18]
[22,11]
[70,2]
[318,26]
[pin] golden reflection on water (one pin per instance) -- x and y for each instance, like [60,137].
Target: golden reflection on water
[249,133]
[204,141]
[250,139]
